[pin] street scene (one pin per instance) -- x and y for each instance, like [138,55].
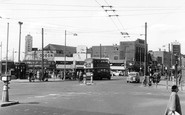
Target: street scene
[97,57]
[115,97]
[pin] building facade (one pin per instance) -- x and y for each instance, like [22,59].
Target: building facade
[111,52]
[59,50]
[133,53]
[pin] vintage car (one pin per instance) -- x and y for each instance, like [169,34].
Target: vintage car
[133,77]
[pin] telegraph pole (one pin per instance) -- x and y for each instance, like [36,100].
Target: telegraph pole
[42,53]
[20,23]
[145,54]
[1,59]
[65,56]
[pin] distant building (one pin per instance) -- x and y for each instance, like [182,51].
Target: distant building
[163,57]
[58,50]
[111,52]
[133,52]
[28,44]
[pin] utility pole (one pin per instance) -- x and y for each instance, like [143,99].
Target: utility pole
[5,94]
[65,56]
[20,23]
[6,79]
[42,53]
[1,59]
[145,54]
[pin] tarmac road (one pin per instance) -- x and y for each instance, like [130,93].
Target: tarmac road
[104,97]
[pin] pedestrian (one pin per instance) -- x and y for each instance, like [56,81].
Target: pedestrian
[174,102]
[30,76]
[80,76]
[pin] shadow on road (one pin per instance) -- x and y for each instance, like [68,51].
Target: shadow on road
[29,103]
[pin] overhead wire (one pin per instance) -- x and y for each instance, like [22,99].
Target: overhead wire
[46,5]
[118,29]
[125,34]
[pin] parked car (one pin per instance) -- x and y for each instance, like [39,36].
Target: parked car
[133,77]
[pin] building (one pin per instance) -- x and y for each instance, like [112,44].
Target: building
[28,44]
[110,52]
[59,50]
[74,59]
[133,53]
[129,53]
[164,58]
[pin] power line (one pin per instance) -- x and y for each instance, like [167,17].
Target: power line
[46,5]
[109,9]
[59,10]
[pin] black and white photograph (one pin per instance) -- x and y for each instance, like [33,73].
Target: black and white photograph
[92,57]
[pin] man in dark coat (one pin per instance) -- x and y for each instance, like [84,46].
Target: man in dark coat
[174,102]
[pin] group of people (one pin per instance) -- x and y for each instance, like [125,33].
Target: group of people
[38,75]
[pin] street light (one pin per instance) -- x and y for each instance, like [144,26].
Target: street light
[5,94]
[74,34]
[20,23]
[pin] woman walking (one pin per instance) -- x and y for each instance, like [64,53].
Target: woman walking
[174,106]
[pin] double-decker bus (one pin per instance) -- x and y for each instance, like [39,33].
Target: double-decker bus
[100,68]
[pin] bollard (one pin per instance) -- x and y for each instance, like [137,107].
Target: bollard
[5,94]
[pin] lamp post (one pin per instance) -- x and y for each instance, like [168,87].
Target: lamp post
[20,23]
[74,34]
[145,54]
[5,94]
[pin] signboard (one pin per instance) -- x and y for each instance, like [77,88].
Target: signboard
[48,56]
[176,49]
[88,65]
[81,49]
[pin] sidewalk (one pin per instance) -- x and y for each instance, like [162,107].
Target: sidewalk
[163,85]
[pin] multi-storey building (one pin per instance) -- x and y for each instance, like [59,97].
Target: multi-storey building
[28,44]
[111,52]
[133,53]
[129,52]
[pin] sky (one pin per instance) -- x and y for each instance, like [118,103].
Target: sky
[93,24]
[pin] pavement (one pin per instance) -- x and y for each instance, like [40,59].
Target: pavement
[163,84]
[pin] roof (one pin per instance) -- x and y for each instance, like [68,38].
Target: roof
[57,47]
